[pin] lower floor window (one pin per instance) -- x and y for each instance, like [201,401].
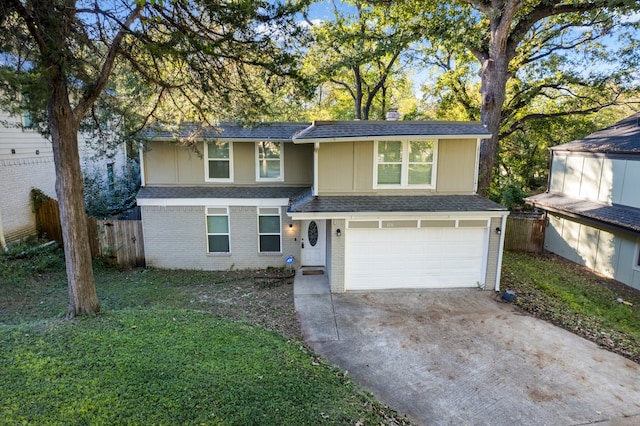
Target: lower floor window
[269,230]
[218,230]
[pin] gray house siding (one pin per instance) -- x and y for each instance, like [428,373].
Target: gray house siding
[611,254]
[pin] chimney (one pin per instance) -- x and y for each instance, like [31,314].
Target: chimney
[392,114]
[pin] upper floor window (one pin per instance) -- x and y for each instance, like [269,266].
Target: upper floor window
[219,161]
[269,161]
[404,164]
[27,122]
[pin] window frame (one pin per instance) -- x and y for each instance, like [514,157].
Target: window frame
[280,178]
[404,164]
[207,160]
[636,257]
[207,214]
[259,214]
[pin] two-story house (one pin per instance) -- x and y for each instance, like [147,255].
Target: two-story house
[374,204]
[593,201]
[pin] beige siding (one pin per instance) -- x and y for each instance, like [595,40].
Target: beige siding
[493,254]
[347,167]
[336,168]
[336,244]
[456,165]
[167,163]
[160,164]
[298,164]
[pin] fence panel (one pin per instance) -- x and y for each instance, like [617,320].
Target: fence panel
[48,220]
[525,233]
[120,240]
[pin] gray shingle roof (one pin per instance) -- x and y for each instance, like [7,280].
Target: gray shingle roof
[357,129]
[617,215]
[261,131]
[319,130]
[621,137]
[394,203]
[220,192]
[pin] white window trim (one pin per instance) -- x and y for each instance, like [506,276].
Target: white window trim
[206,164]
[268,233]
[228,234]
[636,256]
[404,168]
[257,156]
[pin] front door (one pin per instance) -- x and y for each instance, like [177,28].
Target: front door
[312,243]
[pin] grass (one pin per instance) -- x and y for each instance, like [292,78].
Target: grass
[170,347]
[576,299]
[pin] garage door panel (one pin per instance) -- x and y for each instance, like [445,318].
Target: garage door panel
[414,258]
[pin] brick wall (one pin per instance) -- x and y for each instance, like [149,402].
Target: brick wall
[17,177]
[175,237]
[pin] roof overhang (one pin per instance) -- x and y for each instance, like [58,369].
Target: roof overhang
[388,138]
[405,215]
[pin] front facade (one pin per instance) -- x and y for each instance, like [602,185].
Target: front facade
[593,201]
[376,205]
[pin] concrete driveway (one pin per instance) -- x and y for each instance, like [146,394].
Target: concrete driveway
[462,357]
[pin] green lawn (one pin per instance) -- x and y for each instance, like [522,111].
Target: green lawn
[170,347]
[572,297]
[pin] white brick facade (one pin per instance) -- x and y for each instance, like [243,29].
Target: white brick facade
[176,238]
[17,177]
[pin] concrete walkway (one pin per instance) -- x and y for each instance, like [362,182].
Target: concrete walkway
[462,357]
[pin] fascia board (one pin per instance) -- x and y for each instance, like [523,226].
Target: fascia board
[212,202]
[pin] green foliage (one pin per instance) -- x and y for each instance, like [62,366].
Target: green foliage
[163,366]
[103,198]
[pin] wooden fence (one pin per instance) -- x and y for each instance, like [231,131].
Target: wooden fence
[525,232]
[119,241]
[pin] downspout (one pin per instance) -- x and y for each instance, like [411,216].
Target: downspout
[503,227]
[142,174]
[475,179]
[316,148]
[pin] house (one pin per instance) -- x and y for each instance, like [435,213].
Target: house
[26,162]
[374,204]
[593,201]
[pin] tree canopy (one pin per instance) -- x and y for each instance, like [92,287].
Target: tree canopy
[194,56]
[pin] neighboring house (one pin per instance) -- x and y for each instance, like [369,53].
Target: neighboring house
[26,162]
[377,205]
[593,201]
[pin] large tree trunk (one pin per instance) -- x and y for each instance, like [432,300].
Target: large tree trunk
[494,73]
[494,82]
[69,189]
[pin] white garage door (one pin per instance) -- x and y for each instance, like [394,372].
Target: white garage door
[414,258]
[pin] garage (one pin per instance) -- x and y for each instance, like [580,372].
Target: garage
[411,254]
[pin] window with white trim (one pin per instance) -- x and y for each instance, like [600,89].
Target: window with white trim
[218,230]
[218,161]
[636,264]
[404,164]
[269,230]
[269,160]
